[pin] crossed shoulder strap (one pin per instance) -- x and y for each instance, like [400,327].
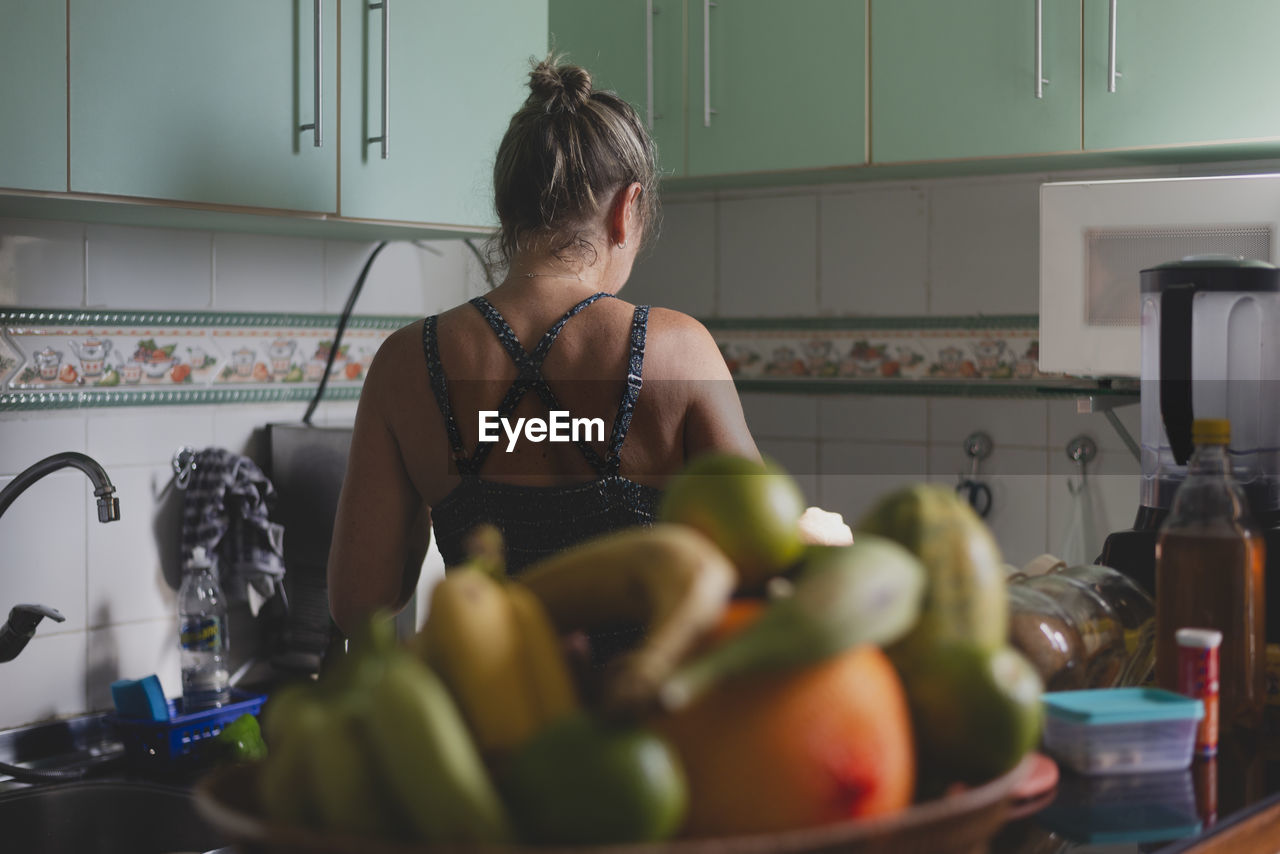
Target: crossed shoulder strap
[529,377]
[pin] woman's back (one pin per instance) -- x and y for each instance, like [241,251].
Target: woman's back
[575,186]
[586,368]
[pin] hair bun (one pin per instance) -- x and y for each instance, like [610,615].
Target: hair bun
[560,88]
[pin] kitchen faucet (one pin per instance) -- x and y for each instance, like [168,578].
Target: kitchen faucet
[23,619]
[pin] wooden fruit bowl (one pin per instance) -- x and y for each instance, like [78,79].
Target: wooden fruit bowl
[962,823]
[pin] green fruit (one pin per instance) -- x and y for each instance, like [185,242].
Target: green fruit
[750,509]
[966,599]
[868,592]
[241,740]
[581,781]
[976,711]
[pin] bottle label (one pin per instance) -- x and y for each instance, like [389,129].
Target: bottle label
[1198,678]
[201,634]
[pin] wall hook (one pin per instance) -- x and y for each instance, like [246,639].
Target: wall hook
[1081,450]
[183,465]
[977,447]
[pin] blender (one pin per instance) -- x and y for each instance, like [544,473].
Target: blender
[1210,349]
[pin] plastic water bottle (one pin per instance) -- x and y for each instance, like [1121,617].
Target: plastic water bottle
[202,626]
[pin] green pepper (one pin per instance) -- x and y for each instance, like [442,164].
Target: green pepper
[241,740]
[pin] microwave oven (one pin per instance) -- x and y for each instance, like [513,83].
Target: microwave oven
[1097,236]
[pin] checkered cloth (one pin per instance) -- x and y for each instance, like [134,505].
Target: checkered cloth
[227,511]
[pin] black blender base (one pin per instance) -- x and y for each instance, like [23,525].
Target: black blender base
[1134,554]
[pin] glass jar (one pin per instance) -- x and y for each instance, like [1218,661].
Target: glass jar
[1083,627]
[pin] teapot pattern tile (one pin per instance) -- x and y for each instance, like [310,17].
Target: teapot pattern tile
[65,353]
[81,358]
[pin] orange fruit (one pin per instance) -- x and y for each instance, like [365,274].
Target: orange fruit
[765,753]
[738,614]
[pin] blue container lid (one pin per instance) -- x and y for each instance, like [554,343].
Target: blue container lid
[1121,706]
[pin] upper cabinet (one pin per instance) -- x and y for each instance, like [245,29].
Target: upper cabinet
[776,85]
[203,102]
[732,86]
[988,78]
[246,106]
[1185,72]
[33,95]
[215,105]
[635,48]
[427,91]
[959,80]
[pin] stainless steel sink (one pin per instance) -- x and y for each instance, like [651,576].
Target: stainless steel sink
[103,817]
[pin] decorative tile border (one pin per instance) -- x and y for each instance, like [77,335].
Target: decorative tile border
[65,359]
[934,349]
[51,359]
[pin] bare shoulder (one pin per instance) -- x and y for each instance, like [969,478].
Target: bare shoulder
[682,347]
[399,357]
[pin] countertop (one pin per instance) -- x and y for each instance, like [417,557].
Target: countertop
[1230,804]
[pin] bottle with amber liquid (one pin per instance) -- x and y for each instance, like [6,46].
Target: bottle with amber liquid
[1210,558]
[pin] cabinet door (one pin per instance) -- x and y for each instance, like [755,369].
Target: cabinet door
[1189,72]
[33,95]
[202,102]
[613,40]
[787,85]
[457,71]
[953,80]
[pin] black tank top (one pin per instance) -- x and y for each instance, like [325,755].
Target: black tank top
[537,521]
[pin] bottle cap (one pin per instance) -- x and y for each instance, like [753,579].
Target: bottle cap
[199,558]
[1199,638]
[1210,431]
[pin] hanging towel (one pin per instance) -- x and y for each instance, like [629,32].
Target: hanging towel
[227,511]
[1079,540]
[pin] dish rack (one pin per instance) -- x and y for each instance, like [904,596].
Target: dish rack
[184,735]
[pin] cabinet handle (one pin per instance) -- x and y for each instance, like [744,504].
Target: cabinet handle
[1112,74]
[317,78]
[649,12]
[385,137]
[707,112]
[1040,78]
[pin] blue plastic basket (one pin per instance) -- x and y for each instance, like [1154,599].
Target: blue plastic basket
[183,735]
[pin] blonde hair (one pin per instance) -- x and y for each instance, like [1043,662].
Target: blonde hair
[566,151]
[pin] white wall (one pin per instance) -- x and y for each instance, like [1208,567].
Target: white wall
[110,580]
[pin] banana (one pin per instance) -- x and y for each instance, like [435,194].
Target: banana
[548,687]
[496,652]
[868,592]
[421,746]
[669,577]
[292,723]
[344,783]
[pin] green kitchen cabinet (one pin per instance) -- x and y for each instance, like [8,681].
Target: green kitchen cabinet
[1187,72]
[775,86]
[190,101]
[958,80]
[456,71]
[33,95]
[635,48]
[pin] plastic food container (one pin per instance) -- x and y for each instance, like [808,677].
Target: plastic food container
[1121,730]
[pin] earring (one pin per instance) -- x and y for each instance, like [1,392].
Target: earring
[622,244]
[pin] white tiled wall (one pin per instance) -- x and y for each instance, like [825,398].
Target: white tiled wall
[957,246]
[115,583]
